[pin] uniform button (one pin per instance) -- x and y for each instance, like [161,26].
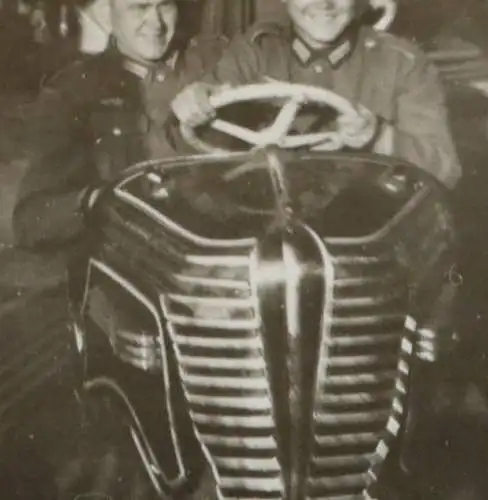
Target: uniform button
[370,43]
[117,131]
[318,68]
[160,77]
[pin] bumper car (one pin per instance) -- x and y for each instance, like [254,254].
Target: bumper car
[257,318]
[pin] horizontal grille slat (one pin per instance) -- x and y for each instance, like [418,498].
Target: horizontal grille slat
[213,283]
[359,281]
[361,378]
[224,324]
[367,301]
[361,438]
[224,302]
[364,340]
[255,383]
[361,361]
[355,496]
[376,319]
[252,483]
[246,422]
[238,364]
[248,464]
[251,343]
[355,399]
[345,481]
[213,261]
[332,462]
[337,419]
[236,442]
[359,259]
[256,403]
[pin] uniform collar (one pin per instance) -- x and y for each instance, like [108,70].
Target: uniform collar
[157,71]
[337,53]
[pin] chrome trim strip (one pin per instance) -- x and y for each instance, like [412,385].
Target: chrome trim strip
[137,294]
[176,228]
[142,444]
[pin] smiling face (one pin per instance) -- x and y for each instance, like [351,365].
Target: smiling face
[144,28]
[320,22]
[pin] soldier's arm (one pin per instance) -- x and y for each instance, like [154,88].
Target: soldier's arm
[239,64]
[421,132]
[48,206]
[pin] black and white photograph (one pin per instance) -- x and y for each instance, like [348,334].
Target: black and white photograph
[243,250]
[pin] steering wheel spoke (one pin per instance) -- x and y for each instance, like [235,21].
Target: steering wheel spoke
[278,131]
[320,141]
[243,133]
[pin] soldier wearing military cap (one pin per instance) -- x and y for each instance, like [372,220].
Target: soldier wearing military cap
[400,104]
[103,113]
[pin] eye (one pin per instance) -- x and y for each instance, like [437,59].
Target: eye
[140,7]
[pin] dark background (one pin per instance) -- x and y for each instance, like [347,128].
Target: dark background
[27,57]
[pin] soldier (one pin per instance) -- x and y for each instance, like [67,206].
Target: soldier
[400,104]
[91,120]
[102,114]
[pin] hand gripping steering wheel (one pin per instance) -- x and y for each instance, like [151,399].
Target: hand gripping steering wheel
[277,134]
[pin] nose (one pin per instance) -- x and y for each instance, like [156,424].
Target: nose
[326,4]
[153,18]
[331,4]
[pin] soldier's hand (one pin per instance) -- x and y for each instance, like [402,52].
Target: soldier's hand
[357,131]
[192,105]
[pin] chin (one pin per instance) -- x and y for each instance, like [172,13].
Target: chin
[152,53]
[322,30]
[324,35]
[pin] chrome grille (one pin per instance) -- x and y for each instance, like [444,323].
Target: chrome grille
[220,354]
[361,385]
[209,297]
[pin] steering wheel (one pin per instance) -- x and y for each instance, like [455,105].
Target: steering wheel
[277,134]
[389,8]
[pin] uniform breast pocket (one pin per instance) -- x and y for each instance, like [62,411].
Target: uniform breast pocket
[117,140]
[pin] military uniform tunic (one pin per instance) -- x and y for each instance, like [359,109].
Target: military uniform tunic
[388,75]
[91,121]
